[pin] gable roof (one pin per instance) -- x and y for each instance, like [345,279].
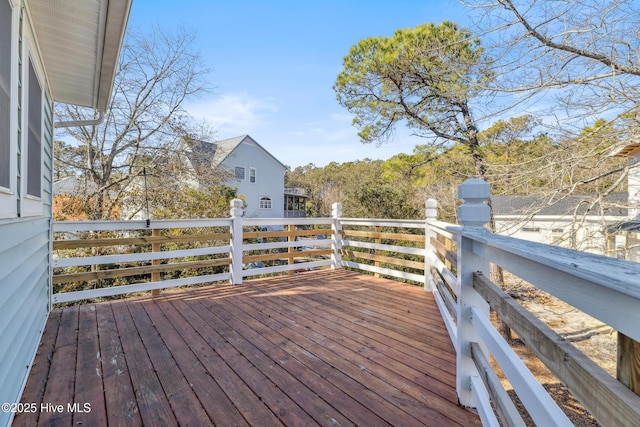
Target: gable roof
[80,44]
[203,153]
[200,153]
[575,204]
[226,147]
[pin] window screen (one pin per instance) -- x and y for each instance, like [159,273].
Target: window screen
[239,172]
[34,165]
[5,94]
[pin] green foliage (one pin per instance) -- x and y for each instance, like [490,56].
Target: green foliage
[519,160]
[360,186]
[424,75]
[515,154]
[194,203]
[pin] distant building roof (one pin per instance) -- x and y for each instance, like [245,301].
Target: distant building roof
[203,153]
[295,191]
[73,186]
[633,226]
[575,204]
[226,146]
[200,153]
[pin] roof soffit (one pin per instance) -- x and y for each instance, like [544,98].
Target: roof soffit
[80,44]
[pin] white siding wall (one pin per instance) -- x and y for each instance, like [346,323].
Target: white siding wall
[24,301]
[269,180]
[587,236]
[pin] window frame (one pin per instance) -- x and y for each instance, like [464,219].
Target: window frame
[244,172]
[265,199]
[253,177]
[31,205]
[9,195]
[532,230]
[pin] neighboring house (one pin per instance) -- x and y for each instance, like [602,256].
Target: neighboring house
[256,174]
[612,229]
[50,51]
[567,221]
[295,202]
[630,228]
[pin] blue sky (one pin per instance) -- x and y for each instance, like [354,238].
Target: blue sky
[273,65]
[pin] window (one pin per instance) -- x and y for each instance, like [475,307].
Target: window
[32,137]
[531,229]
[556,236]
[239,172]
[8,141]
[265,203]
[5,94]
[252,175]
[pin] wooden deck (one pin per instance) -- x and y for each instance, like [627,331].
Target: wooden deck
[318,348]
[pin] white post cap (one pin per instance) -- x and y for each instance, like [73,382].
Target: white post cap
[474,212]
[236,207]
[431,206]
[336,209]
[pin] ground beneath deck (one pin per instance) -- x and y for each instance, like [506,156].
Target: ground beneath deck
[318,348]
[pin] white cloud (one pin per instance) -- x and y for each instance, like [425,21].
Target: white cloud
[234,113]
[337,128]
[342,117]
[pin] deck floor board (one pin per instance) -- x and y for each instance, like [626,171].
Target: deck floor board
[218,406]
[317,348]
[365,356]
[120,400]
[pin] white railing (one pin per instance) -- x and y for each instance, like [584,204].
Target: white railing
[88,253]
[94,259]
[452,261]
[605,288]
[399,253]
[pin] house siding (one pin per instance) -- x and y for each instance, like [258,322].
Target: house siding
[269,179]
[565,223]
[24,301]
[25,247]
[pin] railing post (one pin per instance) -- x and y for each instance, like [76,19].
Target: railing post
[336,240]
[291,238]
[377,252]
[156,247]
[628,362]
[431,214]
[236,242]
[473,215]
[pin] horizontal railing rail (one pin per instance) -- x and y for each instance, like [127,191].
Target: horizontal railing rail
[298,244]
[95,259]
[385,247]
[441,259]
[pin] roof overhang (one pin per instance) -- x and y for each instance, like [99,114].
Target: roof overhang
[80,43]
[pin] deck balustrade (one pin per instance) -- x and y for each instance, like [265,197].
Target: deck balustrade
[104,258]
